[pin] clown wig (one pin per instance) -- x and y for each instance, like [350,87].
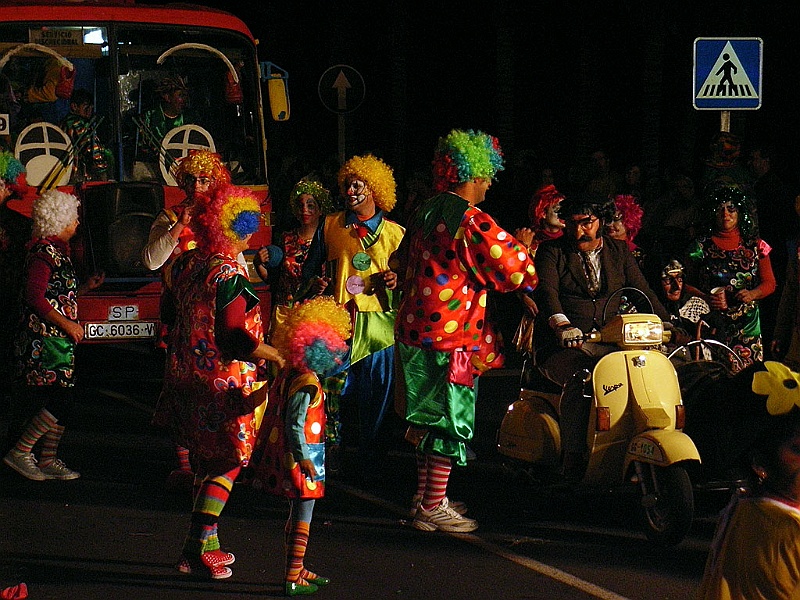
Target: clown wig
[312,187]
[52,212]
[631,213]
[546,197]
[228,216]
[748,221]
[463,156]
[10,168]
[313,336]
[376,174]
[203,162]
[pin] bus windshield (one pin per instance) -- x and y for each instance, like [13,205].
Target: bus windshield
[156,91]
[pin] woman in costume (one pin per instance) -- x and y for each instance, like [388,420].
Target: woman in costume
[732,256]
[47,335]
[212,383]
[626,223]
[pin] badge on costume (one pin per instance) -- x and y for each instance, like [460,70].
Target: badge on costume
[354,284]
[361,261]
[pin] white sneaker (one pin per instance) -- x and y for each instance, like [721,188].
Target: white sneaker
[58,470]
[24,463]
[456,505]
[443,518]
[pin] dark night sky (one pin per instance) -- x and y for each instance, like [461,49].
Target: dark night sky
[432,66]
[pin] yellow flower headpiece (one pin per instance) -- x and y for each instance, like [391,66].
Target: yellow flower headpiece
[781,386]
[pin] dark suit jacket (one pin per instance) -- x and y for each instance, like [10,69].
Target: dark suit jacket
[564,288]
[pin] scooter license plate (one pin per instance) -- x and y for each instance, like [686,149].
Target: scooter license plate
[645,449]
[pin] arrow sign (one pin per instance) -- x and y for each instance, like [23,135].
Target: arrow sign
[341,89]
[341,85]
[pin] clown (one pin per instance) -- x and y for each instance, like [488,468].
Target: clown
[199,173]
[453,255]
[290,458]
[213,382]
[355,246]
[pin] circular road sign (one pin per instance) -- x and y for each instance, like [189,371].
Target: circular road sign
[341,89]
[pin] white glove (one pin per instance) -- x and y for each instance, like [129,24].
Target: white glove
[569,337]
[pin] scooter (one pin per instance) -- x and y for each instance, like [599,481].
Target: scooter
[634,436]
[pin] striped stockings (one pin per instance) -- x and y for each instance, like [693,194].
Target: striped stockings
[208,504]
[437,476]
[50,442]
[38,427]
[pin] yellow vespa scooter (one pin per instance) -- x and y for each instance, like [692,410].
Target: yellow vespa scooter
[634,434]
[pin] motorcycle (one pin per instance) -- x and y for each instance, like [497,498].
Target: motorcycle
[634,436]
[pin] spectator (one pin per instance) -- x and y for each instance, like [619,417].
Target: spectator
[729,254]
[47,335]
[215,336]
[785,345]
[312,337]
[603,181]
[354,249]
[777,223]
[453,255]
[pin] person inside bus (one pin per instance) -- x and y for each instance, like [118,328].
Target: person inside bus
[92,159]
[173,97]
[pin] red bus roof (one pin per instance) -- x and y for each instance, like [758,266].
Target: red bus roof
[123,11]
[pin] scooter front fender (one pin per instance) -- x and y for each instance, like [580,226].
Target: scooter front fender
[661,447]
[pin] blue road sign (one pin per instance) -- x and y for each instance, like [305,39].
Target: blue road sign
[727,73]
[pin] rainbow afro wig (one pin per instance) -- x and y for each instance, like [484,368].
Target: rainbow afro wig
[463,156]
[226,217]
[311,186]
[203,162]
[376,174]
[313,336]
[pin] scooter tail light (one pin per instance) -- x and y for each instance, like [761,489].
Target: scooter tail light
[603,418]
[680,416]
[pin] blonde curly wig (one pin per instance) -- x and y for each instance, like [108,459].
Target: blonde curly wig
[376,174]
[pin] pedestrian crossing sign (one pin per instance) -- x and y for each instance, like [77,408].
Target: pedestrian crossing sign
[727,73]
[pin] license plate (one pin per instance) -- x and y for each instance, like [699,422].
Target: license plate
[119,330]
[123,312]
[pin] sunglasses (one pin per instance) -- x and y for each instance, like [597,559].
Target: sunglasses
[587,222]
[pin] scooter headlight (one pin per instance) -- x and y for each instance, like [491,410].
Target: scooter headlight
[647,332]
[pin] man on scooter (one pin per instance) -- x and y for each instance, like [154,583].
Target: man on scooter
[578,274]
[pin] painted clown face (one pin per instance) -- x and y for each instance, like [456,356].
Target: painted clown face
[359,197]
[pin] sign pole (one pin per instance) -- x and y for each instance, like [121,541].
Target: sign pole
[341,139]
[725,121]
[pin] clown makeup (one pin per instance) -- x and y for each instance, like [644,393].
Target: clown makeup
[196,184]
[551,220]
[359,198]
[309,209]
[727,216]
[616,228]
[672,286]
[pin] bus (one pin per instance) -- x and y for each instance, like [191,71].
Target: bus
[123,54]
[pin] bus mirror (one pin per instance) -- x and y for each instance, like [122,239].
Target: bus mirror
[277,89]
